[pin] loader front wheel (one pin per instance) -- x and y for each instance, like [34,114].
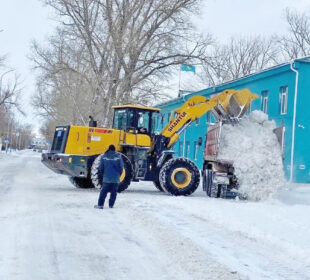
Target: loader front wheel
[179,176]
[83,183]
[126,176]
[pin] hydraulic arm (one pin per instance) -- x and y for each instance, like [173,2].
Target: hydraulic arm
[228,105]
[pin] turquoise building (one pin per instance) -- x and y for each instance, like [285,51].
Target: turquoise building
[284,92]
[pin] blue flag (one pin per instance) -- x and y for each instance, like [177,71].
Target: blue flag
[188,68]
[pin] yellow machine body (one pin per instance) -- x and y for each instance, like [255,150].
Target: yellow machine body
[91,141]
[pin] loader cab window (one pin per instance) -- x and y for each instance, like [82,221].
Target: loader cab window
[135,120]
[131,119]
[120,119]
[60,139]
[143,122]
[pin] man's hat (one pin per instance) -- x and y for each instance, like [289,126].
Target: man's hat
[111,148]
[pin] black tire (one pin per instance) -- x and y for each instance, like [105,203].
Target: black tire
[96,176]
[124,184]
[158,186]
[83,183]
[179,176]
[212,189]
[209,182]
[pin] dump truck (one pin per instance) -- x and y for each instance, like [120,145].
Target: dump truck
[218,175]
[148,156]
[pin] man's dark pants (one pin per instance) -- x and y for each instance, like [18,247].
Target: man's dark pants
[108,187]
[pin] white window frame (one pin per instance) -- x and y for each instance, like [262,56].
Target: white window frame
[249,110]
[265,101]
[196,148]
[188,149]
[283,100]
[181,148]
[209,118]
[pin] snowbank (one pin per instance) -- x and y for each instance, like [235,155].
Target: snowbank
[256,153]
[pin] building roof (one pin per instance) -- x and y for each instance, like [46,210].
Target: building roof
[245,79]
[137,107]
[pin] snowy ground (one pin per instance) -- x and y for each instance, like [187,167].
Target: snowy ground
[49,230]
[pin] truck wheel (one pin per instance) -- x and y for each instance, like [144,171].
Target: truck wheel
[210,188]
[127,174]
[125,178]
[179,176]
[83,183]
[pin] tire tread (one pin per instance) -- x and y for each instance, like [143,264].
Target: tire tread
[163,174]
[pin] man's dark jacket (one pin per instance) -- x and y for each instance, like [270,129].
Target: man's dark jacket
[111,164]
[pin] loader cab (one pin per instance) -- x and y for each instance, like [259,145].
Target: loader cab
[135,119]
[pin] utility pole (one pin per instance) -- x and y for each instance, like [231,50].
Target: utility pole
[19,140]
[7,136]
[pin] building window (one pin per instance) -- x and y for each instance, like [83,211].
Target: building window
[180,148]
[162,116]
[187,149]
[249,110]
[280,133]
[196,148]
[283,100]
[265,101]
[210,118]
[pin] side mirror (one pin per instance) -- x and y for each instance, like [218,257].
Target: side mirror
[131,129]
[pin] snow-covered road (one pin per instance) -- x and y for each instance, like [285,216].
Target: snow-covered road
[49,230]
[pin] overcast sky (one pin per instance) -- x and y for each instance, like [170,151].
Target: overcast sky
[24,20]
[226,18]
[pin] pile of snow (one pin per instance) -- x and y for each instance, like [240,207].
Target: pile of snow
[255,151]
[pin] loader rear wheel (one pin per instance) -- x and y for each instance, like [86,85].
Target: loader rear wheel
[95,175]
[83,183]
[179,176]
[125,178]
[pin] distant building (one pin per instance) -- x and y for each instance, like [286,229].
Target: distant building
[39,143]
[284,95]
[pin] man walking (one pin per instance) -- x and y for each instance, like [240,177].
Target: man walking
[111,165]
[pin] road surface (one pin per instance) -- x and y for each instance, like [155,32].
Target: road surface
[50,230]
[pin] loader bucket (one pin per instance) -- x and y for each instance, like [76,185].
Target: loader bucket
[233,104]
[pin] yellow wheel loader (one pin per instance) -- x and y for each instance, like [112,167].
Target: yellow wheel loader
[76,150]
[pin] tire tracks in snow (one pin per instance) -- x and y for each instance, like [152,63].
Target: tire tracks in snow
[182,254]
[8,166]
[250,258]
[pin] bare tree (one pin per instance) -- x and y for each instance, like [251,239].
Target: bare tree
[9,86]
[297,42]
[240,57]
[125,50]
